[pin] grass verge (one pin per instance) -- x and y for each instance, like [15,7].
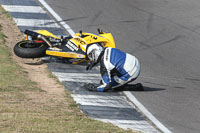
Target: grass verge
[26,108]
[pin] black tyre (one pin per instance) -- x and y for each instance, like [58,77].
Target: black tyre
[29,49]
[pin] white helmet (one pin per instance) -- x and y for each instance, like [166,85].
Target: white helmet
[94,51]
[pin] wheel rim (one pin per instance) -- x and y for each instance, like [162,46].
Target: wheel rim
[29,45]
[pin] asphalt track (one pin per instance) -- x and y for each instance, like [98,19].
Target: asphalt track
[165,36]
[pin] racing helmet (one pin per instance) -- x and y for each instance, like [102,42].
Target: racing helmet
[94,51]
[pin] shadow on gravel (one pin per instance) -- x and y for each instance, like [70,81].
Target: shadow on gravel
[34,63]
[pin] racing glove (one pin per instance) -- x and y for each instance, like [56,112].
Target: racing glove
[92,87]
[91,65]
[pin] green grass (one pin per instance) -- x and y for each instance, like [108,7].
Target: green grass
[11,76]
[5,12]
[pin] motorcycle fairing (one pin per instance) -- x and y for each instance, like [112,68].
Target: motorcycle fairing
[81,40]
[67,50]
[73,47]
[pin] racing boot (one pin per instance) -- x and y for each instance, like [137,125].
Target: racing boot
[133,87]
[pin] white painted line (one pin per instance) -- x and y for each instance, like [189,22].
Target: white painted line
[109,97]
[102,101]
[57,17]
[141,125]
[146,112]
[77,80]
[24,9]
[78,74]
[80,77]
[36,23]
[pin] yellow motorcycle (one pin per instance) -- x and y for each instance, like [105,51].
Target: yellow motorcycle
[42,43]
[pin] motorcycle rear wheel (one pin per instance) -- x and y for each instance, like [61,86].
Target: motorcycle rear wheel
[28,49]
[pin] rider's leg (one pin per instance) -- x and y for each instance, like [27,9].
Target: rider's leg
[118,83]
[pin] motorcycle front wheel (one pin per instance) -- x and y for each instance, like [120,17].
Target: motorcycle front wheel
[30,49]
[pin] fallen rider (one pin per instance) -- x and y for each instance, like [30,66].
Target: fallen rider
[117,68]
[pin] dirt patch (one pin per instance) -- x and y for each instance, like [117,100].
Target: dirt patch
[36,69]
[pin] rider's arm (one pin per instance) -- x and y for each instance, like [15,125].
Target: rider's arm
[106,83]
[105,69]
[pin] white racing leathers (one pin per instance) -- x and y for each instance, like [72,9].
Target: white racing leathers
[117,69]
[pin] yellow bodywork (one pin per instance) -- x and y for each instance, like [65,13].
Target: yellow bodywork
[88,38]
[81,41]
[46,33]
[65,54]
